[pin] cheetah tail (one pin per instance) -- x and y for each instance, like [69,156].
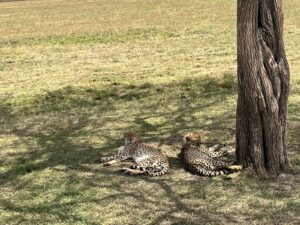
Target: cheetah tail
[209,173]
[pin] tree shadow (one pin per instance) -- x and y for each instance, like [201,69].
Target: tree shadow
[58,129]
[51,138]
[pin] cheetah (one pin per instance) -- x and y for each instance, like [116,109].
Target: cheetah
[195,140]
[148,160]
[201,160]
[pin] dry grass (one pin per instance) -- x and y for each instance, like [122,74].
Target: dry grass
[75,74]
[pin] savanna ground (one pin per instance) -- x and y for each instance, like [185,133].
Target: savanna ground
[76,74]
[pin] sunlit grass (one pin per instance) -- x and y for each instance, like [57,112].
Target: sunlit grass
[75,74]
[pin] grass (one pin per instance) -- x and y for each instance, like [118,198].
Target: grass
[75,74]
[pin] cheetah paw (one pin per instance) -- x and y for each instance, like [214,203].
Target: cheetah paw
[106,164]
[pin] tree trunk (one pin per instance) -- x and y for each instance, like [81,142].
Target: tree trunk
[263,87]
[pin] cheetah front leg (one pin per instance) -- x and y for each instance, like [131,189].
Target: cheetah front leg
[105,159]
[215,147]
[111,162]
[217,151]
[135,169]
[143,167]
[225,165]
[235,167]
[117,158]
[129,171]
[112,159]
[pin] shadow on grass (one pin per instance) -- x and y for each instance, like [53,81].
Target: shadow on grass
[58,118]
[55,129]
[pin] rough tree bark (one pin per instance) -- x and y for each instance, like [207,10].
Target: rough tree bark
[263,87]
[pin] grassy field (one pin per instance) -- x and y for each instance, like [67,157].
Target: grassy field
[75,74]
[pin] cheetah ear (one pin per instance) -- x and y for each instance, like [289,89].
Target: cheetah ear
[126,132]
[199,139]
[135,136]
[185,138]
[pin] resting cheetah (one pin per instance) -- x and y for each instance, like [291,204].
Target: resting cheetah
[148,159]
[195,140]
[201,160]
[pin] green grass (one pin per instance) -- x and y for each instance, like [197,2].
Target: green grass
[75,74]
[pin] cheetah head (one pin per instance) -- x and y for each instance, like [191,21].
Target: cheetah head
[130,137]
[193,138]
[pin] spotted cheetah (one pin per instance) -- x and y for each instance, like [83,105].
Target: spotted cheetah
[148,160]
[201,160]
[194,139]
